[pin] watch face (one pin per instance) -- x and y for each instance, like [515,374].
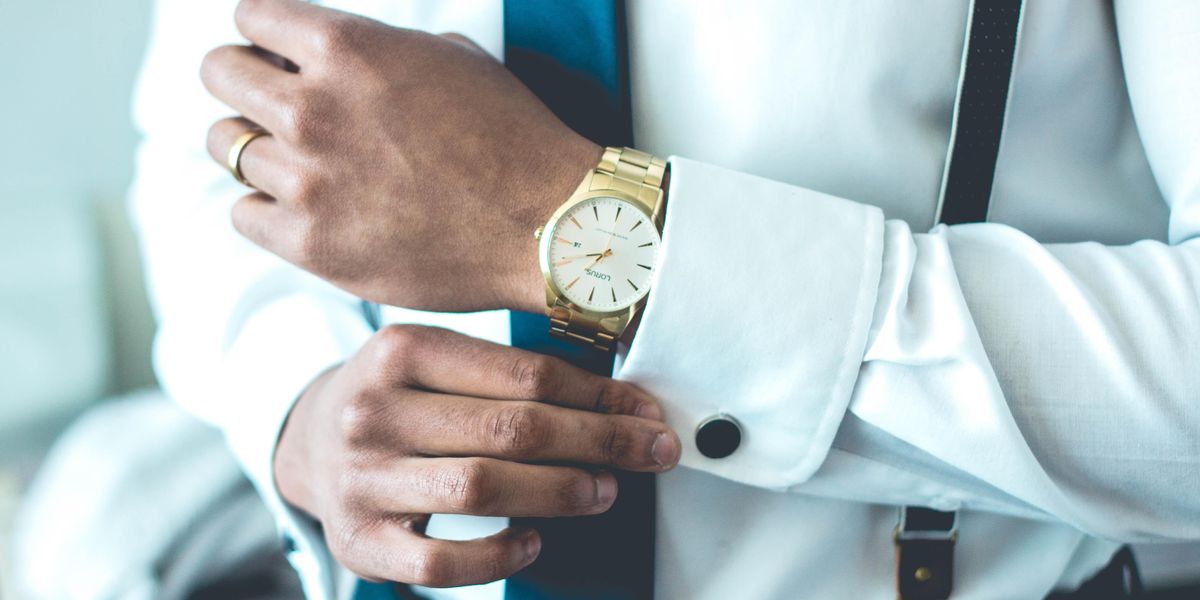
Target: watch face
[602,254]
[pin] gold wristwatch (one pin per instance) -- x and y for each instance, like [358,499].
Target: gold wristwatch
[599,250]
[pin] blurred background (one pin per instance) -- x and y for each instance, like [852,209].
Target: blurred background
[107,490]
[75,326]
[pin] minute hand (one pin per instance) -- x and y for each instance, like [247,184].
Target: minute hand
[599,257]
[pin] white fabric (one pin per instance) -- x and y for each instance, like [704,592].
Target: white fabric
[1038,371]
[109,511]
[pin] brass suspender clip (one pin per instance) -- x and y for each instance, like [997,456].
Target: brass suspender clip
[924,541]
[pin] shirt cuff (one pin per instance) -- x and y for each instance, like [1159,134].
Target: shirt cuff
[760,309]
[276,355]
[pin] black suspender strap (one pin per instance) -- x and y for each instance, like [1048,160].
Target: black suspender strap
[979,111]
[925,537]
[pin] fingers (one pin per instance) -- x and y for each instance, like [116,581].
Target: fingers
[297,30]
[262,160]
[262,221]
[394,553]
[521,431]
[487,487]
[245,80]
[439,359]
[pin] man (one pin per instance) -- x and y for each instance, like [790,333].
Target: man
[1032,373]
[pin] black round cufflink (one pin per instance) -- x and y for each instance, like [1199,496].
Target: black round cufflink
[718,436]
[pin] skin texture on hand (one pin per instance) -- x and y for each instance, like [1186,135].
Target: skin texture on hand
[409,169]
[424,420]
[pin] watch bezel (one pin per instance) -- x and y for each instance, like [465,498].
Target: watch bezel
[553,292]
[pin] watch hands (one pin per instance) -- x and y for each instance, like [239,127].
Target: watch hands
[599,257]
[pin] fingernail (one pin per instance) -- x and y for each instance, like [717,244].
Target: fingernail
[606,488]
[533,545]
[649,410]
[664,449]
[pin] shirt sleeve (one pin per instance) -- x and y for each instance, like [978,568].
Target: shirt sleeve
[241,332]
[965,367]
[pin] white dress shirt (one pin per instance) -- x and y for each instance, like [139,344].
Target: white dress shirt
[1040,372]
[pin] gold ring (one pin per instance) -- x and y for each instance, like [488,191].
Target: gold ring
[234,160]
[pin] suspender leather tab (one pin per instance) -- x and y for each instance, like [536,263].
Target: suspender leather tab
[925,553]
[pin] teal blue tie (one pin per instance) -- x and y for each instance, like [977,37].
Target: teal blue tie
[572,54]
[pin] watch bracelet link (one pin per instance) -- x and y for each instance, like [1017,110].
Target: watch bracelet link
[631,171]
[565,322]
[635,173]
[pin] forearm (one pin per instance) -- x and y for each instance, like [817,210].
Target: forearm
[1054,375]
[1011,402]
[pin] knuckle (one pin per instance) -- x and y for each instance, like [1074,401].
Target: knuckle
[244,9]
[245,222]
[533,376]
[210,64]
[615,444]
[301,117]
[306,188]
[215,141]
[316,248]
[352,491]
[392,351]
[346,539]
[517,430]
[465,487]
[240,218]
[311,248]
[461,39]
[396,343]
[610,398]
[300,186]
[358,418]
[337,35]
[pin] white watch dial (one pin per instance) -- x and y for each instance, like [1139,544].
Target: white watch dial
[602,254]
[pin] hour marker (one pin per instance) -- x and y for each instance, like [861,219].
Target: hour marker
[635,287]
[595,212]
[576,223]
[564,261]
[644,266]
[591,293]
[646,244]
[572,283]
[563,241]
[614,293]
[618,217]
[635,225]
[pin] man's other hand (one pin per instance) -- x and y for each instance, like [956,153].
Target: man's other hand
[424,420]
[407,168]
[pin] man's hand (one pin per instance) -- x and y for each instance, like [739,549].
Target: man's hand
[424,420]
[407,168]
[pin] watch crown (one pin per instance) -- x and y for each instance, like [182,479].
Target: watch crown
[537,233]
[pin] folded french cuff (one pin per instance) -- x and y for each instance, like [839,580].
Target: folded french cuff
[761,304]
[278,352]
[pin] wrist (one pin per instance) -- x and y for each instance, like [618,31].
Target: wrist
[574,159]
[292,463]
